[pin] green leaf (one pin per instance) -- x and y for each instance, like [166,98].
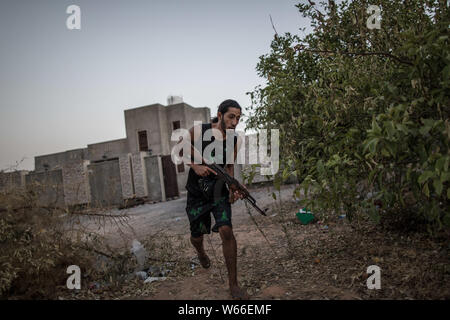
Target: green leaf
[446,72]
[385,153]
[375,127]
[424,130]
[440,164]
[425,190]
[425,176]
[389,126]
[437,184]
[371,145]
[445,176]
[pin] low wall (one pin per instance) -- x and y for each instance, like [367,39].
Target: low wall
[154,178]
[105,183]
[47,186]
[76,183]
[10,181]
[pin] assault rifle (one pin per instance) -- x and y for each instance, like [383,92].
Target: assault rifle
[231,181]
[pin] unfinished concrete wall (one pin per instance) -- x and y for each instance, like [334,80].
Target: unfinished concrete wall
[155,179]
[10,181]
[47,186]
[126,176]
[107,149]
[105,184]
[55,160]
[139,174]
[140,119]
[76,182]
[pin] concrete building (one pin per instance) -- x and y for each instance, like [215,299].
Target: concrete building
[111,172]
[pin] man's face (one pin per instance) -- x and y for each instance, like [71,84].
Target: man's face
[230,119]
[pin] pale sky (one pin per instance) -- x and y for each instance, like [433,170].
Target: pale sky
[63,89]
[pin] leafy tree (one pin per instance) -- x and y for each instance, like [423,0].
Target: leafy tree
[364,113]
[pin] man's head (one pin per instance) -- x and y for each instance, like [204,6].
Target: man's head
[229,114]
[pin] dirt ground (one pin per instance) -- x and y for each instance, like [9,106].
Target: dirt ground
[279,258]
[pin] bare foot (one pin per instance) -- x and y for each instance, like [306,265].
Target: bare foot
[238,293]
[204,261]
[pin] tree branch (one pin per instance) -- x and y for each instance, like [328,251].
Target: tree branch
[273,25]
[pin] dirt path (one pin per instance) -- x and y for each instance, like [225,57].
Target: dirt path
[266,274]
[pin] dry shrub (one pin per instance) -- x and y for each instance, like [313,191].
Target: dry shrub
[34,250]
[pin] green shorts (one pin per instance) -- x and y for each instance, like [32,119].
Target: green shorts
[199,212]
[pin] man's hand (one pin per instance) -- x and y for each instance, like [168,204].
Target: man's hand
[202,170]
[236,194]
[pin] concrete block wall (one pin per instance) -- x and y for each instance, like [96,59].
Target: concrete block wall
[154,177]
[10,181]
[108,149]
[126,176]
[139,174]
[48,187]
[55,160]
[105,183]
[76,182]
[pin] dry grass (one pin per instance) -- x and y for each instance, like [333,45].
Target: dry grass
[314,262]
[38,243]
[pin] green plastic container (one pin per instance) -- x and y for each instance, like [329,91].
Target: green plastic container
[305,216]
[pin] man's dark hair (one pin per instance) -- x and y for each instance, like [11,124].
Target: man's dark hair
[224,106]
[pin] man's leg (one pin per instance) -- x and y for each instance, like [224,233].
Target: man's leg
[197,242]
[230,253]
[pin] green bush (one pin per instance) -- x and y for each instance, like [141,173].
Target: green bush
[363,114]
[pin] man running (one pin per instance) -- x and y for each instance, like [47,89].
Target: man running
[206,195]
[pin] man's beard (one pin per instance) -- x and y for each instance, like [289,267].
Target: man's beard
[222,124]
